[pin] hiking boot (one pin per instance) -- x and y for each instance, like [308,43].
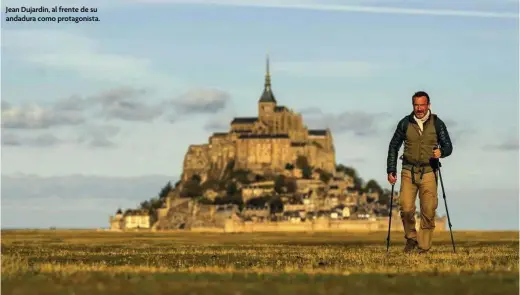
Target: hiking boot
[410,245]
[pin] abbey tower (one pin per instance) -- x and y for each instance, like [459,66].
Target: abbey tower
[266,143]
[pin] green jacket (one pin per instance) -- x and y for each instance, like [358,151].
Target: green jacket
[418,149]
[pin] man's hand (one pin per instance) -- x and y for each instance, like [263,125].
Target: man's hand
[392,178]
[436,153]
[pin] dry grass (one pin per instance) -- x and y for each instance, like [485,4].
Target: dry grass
[90,262]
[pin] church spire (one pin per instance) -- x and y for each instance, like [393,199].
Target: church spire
[268,95]
[267,74]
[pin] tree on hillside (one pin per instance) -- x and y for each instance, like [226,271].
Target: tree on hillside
[152,206]
[276,205]
[192,188]
[303,164]
[290,184]
[324,175]
[358,181]
[241,175]
[165,190]
[384,198]
[347,170]
[231,189]
[259,178]
[372,185]
[230,199]
[258,201]
[157,202]
[279,184]
[145,205]
[307,172]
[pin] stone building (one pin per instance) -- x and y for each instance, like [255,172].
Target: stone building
[138,219]
[117,222]
[131,219]
[257,189]
[262,144]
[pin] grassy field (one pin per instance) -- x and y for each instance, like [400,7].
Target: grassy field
[90,262]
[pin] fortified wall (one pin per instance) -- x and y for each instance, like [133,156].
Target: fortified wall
[325,225]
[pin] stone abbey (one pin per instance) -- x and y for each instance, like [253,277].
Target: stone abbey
[264,144]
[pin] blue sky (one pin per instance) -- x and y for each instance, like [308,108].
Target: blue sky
[124,97]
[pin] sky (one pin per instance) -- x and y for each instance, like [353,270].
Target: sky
[99,115]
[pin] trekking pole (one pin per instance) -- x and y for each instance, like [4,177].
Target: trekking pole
[390,217]
[446,204]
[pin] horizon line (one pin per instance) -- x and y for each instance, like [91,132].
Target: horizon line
[341,8]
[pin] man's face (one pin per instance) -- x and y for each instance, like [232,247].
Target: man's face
[420,106]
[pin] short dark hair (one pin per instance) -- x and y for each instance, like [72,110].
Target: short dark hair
[419,94]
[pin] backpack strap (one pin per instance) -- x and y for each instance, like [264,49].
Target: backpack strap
[404,128]
[436,123]
[406,123]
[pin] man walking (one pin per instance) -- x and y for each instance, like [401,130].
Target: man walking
[426,139]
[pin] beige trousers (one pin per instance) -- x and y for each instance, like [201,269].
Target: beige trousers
[427,188]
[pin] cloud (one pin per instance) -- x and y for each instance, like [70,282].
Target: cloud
[118,103]
[315,5]
[200,101]
[42,140]
[357,122]
[72,52]
[99,136]
[71,103]
[38,117]
[123,103]
[327,69]
[115,95]
[508,145]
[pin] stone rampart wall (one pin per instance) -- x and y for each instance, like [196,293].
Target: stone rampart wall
[380,224]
